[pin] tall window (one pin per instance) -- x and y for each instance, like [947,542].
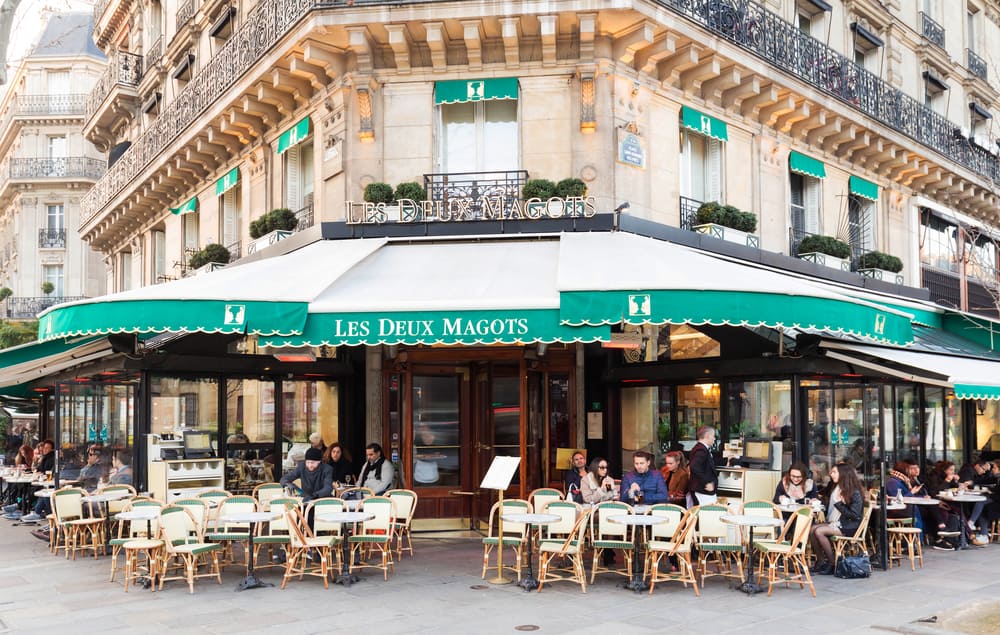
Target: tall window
[805,197]
[299,175]
[55,218]
[970,27]
[159,260]
[53,274]
[934,90]
[981,259]
[125,271]
[938,243]
[230,216]
[701,167]
[861,223]
[191,231]
[479,136]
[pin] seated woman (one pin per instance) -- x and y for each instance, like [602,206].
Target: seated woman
[596,486]
[943,516]
[794,486]
[903,481]
[843,515]
[336,456]
[675,475]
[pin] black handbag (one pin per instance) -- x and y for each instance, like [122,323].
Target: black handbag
[853,567]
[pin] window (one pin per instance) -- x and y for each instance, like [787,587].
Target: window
[861,223]
[981,259]
[762,410]
[646,422]
[125,271]
[55,219]
[53,274]
[934,88]
[866,46]
[57,156]
[230,216]
[158,238]
[184,403]
[190,221]
[58,82]
[970,27]
[805,212]
[810,16]
[299,175]
[701,167]
[479,136]
[307,407]
[938,243]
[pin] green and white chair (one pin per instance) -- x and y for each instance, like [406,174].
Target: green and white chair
[374,534]
[300,541]
[404,506]
[226,533]
[606,535]
[183,544]
[514,534]
[673,538]
[276,534]
[712,539]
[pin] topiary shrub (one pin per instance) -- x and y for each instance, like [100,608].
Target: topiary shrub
[880,260]
[5,293]
[571,188]
[279,218]
[378,192]
[727,216]
[539,188]
[411,190]
[825,245]
[209,253]
[48,287]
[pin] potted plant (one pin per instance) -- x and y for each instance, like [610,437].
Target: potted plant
[727,223]
[279,219]
[379,192]
[881,266]
[5,293]
[536,194]
[409,195]
[210,257]
[572,190]
[826,250]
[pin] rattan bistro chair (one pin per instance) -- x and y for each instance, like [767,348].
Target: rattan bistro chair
[300,541]
[183,543]
[404,503]
[857,542]
[786,557]
[514,534]
[80,533]
[605,535]
[276,534]
[130,530]
[375,534]
[570,547]
[228,533]
[677,545]
[267,492]
[714,545]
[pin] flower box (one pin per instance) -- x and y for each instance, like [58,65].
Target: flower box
[267,240]
[882,274]
[207,268]
[844,264]
[728,233]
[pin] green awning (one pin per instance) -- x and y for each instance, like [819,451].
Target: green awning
[975,328]
[801,164]
[704,124]
[439,327]
[22,364]
[863,188]
[458,91]
[294,135]
[227,182]
[188,207]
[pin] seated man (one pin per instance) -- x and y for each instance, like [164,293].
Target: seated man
[122,462]
[377,473]
[92,473]
[643,485]
[315,477]
[574,476]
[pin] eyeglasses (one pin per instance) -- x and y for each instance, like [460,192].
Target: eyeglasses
[795,476]
[602,467]
[94,453]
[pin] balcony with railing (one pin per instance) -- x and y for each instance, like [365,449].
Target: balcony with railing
[476,187]
[184,13]
[120,79]
[57,168]
[305,216]
[154,53]
[43,106]
[235,250]
[52,238]
[26,308]
[931,30]
[975,64]
[689,212]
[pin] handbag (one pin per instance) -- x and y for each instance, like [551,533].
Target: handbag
[853,567]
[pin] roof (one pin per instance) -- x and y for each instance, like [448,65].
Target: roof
[66,35]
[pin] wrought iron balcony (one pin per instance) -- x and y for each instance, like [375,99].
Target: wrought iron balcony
[26,308]
[976,64]
[52,238]
[124,69]
[154,53]
[70,104]
[184,13]
[689,212]
[235,250]
[475,185]
[780,43]
[305,216]
[65,167]
[931,29]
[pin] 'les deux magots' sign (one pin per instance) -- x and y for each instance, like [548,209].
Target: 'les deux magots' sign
[459,209]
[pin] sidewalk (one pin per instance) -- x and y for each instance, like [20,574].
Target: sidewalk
[440,591]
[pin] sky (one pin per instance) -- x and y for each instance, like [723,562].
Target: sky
[29,21]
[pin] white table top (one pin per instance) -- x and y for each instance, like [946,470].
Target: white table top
[919,500]
[642,520]
[249,517]
[892,506]
[140,513]
[641,509]
[748,520]
[107,497]
[45,493]
[963,498]
[531,519]
[344,517]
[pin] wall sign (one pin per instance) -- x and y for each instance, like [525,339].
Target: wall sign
[458,209]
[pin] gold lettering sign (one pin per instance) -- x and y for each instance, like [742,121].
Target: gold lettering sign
[459,209]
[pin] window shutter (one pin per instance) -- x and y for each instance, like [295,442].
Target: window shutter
[714,171]
[293,197]
[159,255]
[868,227]
[229,214]
[191,231]
[811,205]
[685,160]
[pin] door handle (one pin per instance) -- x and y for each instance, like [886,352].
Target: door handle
[483,447]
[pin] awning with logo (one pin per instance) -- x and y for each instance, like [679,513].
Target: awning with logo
[864,189]
[294,135]
[463,90]
[704,124]
[802,164]
[227,182]
[623,278]
[189,207]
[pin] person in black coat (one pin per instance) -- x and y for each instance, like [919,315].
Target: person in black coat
[845,511]
[336,456]
[703,481]
[315,477]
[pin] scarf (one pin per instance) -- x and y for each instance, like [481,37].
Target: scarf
[377,467]
[902,478]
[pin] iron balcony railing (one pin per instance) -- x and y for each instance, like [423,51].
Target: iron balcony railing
[71,105]
[506,184]
[184,13]
[305,217]
[689,212]
[976,64]
[65,167]
[124,69]
[25,308]
[931,29]
[782,44]
[154,53]
[52,238]
[235,250]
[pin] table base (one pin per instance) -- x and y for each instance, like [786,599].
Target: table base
[346,579]
[636,585]
[528,584]
[750,588]
[252,582]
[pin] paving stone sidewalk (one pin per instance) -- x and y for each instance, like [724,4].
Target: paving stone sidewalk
[440,591]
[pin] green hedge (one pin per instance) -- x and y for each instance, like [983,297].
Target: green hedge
[209,253]
[825,245]
[539,188]
[280,218]
[379,192]
[880,260]
[411,190]
[727,216]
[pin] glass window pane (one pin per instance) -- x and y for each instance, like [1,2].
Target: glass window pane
[934,424]
[953,431]
[307,407]
[988,427]
[646,425]
[697,406]
[819,420]
[436,431]
[185,403]
[499,150]
[559,424]
[101,416]
[762,410]
[250,434]
[458,127]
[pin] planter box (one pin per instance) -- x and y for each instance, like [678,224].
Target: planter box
[844,264]
[267,240]
[209,268]
[728,233]
[882,274]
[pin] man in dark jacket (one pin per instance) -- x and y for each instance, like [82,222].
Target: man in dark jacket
[704,479]
[315,477]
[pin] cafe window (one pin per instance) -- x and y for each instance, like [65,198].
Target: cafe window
[943,426]
[701,167]
[179,403]
[761,410]
[981,259]
[307,407]
[478,125]
[646,422]
[697,406]
[987,431]
[93,414]
[250,435]
[436,443]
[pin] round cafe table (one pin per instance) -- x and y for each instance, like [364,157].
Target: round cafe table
[346,519]
[529,582]
[104,498]
[637,583]
[251,581]
[962,500]
[746,520]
